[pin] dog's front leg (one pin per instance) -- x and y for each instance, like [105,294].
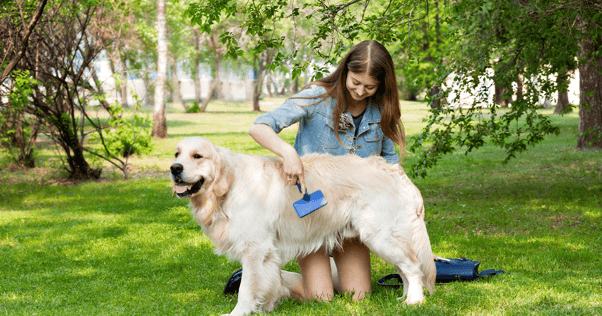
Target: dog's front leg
[261,285]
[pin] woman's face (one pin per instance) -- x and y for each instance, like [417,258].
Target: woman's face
[361,86]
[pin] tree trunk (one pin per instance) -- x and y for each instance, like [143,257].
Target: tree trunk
[296,85]
[113,72]
[563,93]
[268,85]
[499,96]
[436,98]
[17,122]
[285,85]
[24,41]
[149,88]
[177,92]
[66,136]
[215,87]
[436,90]
[124,79]
[563,102]
[590,96]
[159,121]
[197,60]
[258,82]
[118,66]
[100,90]
[212,89]
[519,86]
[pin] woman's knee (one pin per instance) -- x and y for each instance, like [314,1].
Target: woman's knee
[317,277]
[353,265]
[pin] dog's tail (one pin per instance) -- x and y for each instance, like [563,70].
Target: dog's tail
[424,252]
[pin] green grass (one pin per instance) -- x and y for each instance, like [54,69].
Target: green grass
[129,248]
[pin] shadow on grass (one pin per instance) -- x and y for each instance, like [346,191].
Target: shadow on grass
[173,123]
[211,135]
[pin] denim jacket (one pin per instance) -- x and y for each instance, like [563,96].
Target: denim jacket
[316,130]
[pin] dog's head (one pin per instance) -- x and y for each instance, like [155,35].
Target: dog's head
[197,167]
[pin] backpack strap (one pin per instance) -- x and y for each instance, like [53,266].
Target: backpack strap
[382,281]
[490,272]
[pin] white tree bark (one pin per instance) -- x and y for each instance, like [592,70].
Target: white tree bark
[159,121]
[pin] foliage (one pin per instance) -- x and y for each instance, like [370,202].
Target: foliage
[59,64]
[126,136]
[448,48]
[18,129]
[195,108]
[68,90]
[519,42]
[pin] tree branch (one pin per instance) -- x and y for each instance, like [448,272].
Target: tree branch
[32,24]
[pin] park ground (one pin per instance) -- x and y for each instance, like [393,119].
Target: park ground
[128,247]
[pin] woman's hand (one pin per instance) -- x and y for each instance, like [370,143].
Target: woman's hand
[292,164]
[293,169]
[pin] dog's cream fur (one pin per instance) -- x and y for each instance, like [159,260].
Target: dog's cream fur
[246,209]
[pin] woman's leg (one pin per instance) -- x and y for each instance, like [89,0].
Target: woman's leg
[353,265]
[317,277]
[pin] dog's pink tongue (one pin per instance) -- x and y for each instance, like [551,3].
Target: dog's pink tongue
[181,189]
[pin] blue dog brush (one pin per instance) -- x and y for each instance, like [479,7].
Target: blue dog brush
[309,202]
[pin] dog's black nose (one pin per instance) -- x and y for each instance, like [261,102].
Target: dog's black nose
[176,169]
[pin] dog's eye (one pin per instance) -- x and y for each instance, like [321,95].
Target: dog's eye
[197,156]
[177,154]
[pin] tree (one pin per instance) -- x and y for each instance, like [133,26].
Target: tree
[116,33]
[16,57]
[159,119]
[142,53]
[215,87]
[590,82]
[113,31]
[179,35]
[195,60]
[54,85]
[260,63]
[562,105]
[516,42]
[56,68]
[18,130]
[526,40]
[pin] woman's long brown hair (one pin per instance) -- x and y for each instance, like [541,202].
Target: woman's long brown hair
[372,58]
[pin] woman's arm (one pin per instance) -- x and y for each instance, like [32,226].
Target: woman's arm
[388,151]
[265,136]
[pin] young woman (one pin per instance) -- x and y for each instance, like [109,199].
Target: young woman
[353,110]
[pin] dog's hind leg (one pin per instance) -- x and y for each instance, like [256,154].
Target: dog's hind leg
[407,265]
[294,283]
[404,280]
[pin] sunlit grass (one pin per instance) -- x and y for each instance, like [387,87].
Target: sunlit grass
[120,247]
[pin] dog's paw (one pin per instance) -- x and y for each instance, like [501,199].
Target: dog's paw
[413,302]
[412,299]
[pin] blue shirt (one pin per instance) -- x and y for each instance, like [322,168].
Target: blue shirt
[316,130]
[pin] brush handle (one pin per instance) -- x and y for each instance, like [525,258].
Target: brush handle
[306,197]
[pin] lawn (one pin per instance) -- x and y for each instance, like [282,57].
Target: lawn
[118,247]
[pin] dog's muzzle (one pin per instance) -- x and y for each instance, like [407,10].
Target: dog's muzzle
[181,188]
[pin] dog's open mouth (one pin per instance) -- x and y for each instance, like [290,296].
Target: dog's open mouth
[184,190]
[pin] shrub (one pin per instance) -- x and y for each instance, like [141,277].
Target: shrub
[195,108]
[128,135]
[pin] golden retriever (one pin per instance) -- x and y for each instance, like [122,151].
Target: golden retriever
[242,203]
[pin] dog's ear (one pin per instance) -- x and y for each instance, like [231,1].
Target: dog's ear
[223,176]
